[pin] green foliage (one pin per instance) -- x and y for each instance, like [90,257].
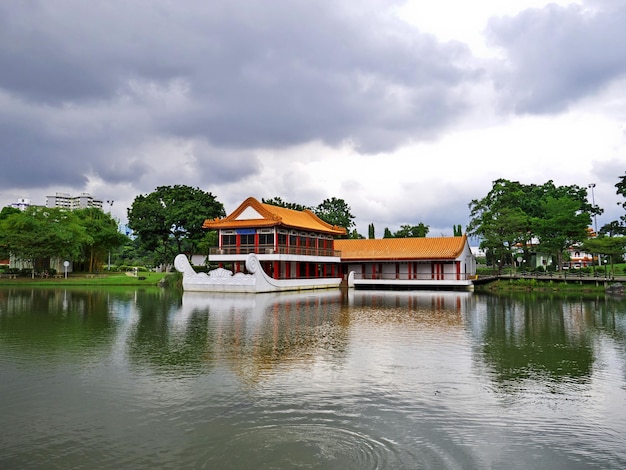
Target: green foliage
[7,211]
[371,232]
[512,214]
[103,237]
[132,253]
[40,233]
[621,188]
[412,231]
[277,201]
[610,248]
[613,228]
[458,230]
[335,212]
[355,235]
[387,233]
[561,224]
[169,220]
[621,191]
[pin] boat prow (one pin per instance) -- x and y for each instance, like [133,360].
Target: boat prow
[257,281]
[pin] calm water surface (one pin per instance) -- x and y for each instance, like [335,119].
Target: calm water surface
[104,379]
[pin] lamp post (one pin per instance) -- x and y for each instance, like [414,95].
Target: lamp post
[110,203]
[593,204]
[595,222]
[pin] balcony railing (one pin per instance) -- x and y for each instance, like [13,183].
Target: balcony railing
[415,277]
[270,250]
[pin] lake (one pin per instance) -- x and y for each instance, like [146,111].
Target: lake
[117,378]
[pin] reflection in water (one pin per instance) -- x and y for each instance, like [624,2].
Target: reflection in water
[522,339]
[46,322]
[331,379]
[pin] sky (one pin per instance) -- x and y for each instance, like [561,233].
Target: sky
[406,110]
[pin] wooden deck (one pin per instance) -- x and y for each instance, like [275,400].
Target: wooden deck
[578,278]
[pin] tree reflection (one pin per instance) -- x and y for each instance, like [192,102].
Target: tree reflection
[47,322]
[525,338]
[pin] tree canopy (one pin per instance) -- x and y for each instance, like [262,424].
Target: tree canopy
[620,225]
[412,231]
[334,211]
[169,220]
[103,236]
[40,233]
[513,215]
[277,201]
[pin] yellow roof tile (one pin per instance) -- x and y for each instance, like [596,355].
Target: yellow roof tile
[401,248]
[270,216]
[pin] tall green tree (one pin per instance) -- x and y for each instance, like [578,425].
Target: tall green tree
[335,212]
[4,213]
[354,235]
[621,191]
[371,232]
[612,247]
[169,220]
[499,221]
[613,228]
[412,231]
[40,233]
[387,233]
[513,214]
[561,225]
[103,236]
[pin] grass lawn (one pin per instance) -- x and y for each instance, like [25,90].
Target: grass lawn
[85,279]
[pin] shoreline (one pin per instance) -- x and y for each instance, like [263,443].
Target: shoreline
[149,279]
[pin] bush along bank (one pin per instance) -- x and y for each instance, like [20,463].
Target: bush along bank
[548,285]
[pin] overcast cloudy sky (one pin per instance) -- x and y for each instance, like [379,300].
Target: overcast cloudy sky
[407,110]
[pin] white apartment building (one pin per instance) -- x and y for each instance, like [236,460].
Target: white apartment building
[22,203]
[67,201]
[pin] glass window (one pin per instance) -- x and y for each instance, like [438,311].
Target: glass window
[229,240]
[266,239]
[247,239]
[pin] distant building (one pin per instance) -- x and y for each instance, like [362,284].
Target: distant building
[67,201]
[125,229]
[22,203]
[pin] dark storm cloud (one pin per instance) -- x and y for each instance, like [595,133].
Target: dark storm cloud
[270,74]
[558,55]
[30,157]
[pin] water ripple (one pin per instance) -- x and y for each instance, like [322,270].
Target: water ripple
[301,445]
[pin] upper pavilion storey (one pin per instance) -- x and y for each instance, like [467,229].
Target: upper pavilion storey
[254,214]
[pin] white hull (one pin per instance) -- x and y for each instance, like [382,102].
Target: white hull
[222,280]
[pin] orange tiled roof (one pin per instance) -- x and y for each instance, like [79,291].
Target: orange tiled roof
[271,216]
[401,248]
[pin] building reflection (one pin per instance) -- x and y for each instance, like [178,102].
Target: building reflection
[255,333]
